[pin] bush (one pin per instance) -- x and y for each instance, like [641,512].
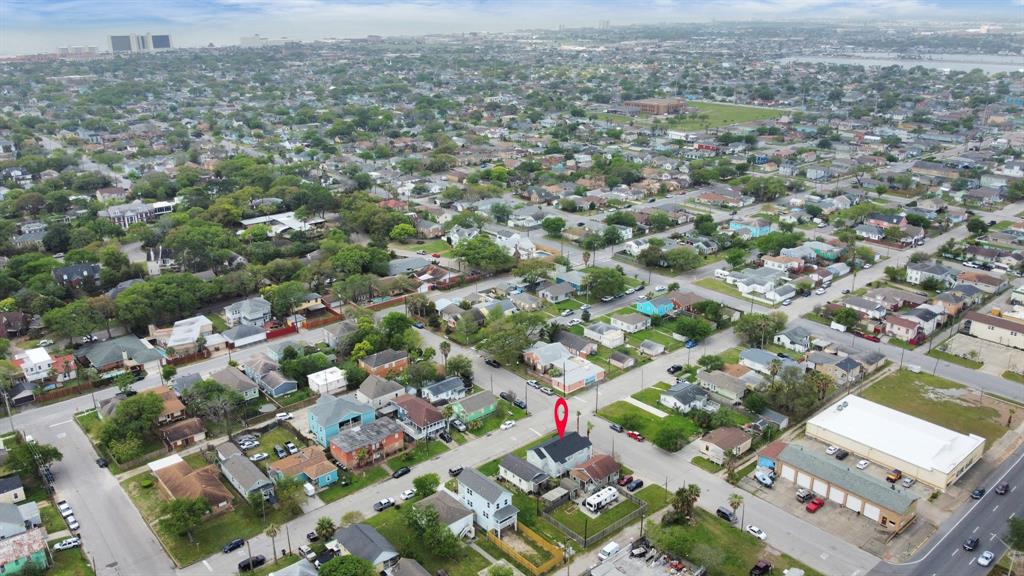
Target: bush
[146,482]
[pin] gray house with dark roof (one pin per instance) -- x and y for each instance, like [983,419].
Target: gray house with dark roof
[521,474]
[447,390]
[364,541]
[490,502]
[245,476]
[558,456]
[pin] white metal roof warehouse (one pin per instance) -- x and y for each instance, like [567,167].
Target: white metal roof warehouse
[934,455]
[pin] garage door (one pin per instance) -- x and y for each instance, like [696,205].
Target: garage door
[853,503]
[789,473]
[803,480]
[820,486]
[872,511]
[836,495]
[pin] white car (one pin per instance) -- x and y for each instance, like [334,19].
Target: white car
[68,544]
[45,342]
[867,266]
[73,523]
[574,322]
[659,288]
[533,384]
[282,416]
[831,450]
[819,291]
[986,558]
[65,509]
[259,456]
[567,313]
[756,532]
[248,445]
[507,424]
[585,307]
[408,494]
[863,464]
[908,481]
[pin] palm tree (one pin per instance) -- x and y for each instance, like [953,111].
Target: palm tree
[445,347]
[735,501]
[684,500]
[325,528]
[272,532]
[586,258]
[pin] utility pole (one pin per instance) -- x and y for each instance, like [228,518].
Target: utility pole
[7,403]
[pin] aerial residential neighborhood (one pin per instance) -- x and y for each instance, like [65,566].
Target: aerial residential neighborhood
[310,305]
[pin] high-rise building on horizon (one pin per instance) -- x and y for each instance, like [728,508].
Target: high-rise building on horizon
[135,43]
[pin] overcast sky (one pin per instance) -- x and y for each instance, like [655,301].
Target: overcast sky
[35,26]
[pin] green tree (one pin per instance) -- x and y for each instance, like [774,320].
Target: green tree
[683,502]
[847,317]
[553,225]
[134,416]
[682,259]
[402,232]
[694,328]
[600,282]
[22,457]
[347,566]
[501,213]
[426,484]
[182,515]
[670,436]
[325,528]
[533,270]
[510,335]
[75,319]
[461,366]
[711,362]
[424,523]
[758,329]
[481,253]
[976,226]
[660,221]
[284,297]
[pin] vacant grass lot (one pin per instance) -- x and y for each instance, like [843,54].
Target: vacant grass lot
[69,563]
[723,548]
[421,452]
[437,246]
[390,524]
[705,464]
[577,520]
[357,481]
[634,418]
[52,520]
[908,392]
[714,115]
[724,288]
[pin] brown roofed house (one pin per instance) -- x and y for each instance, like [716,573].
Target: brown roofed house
[185,433]
[179,481]
[597,472]
[720,443]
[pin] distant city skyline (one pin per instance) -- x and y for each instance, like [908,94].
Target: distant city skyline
[39,26]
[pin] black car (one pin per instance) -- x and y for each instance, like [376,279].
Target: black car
[312,536]
[518,403]
[251,563]
[418,325]
[674,368]
[401,472]
[635,485]
[445,436]
[507,396]
[233,545]
[455,471]
[101,462]
[616,427]
[978,493]
[492,363]
[842,454]
[970,544]
[1003,488]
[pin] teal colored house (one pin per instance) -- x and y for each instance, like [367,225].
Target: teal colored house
[660,306]
[18,551]
[757,227]
[475,407]
[308,465]
[332,413]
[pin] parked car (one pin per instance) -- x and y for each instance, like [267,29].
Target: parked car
[492,363]
[547,391]
[861,465]
[68,543]
[635,435]
[507,424]
[444,436]
[846,290]
[607,298]
[566,313]
[435,255]
[291,448]
[248,445]
[65,508]
[908,482]
[45,342]
[384,504]
[635,485]
[455,471]
[312,536]
[971,543]
[458,425]
[258,457]
[691,343]
[307,552]
[761,568]
[72,523]
[894,476]
[787,301]
[815,505]
[819,291]
[803,495]
[533,384]
[101,462]
[841,454]
[252,563]
[282,416]
[674,368]
[625,480]
[401,472]
[831,450]
[756,532]
[978,493]
[507,396]
[1003,488]
[574,322]
[279,451]
[616,427]
[408,494]
[519,403]
[418,325]
[233,545]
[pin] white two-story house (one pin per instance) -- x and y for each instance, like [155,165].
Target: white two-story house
[490,502]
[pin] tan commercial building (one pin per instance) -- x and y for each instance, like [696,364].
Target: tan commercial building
[1001,330]
[933,455]
[657,106]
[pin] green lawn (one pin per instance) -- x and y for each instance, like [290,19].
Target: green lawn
[815,317]
[776,349]
[578,521]
[635,418]
[908,392]
[357,481]
[52,520]
[69,563]
[662,338]
[724,288]
[436,246]
[504,410]
[219,324]
[295,397]
[390,524]
[195,460]
[965,362]
[724,549]
[1014,376]
[705,464]
[422,451]
[655,496]
[714,115]
[731,356]
[282,562]
[901,344]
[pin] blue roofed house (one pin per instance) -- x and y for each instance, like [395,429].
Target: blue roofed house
[449,389]
[574,278]
[656,307]
[751,227]
[332,414]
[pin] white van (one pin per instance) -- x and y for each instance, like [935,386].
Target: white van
[609,550]
[914,368]
[721,273]
[309,489]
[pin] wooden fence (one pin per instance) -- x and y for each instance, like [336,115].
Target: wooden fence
[284,331]
[525,532]
[585,540]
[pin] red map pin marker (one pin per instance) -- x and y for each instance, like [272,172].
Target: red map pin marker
[561,416]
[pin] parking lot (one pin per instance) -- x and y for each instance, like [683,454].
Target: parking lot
[996,357]
[843,522]
[653,563]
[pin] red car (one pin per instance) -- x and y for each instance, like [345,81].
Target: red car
[815,505]
[435,255]
[635,435]
[625,480]
[869,337]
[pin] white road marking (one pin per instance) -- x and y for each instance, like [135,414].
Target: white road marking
[535,432]
[1012,489]
[996,508]
[1012,514]
[954,552]
[61,423]
[207,564]
[993,537]
[62,435]
[971,563]
[824,556]
[975,529]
